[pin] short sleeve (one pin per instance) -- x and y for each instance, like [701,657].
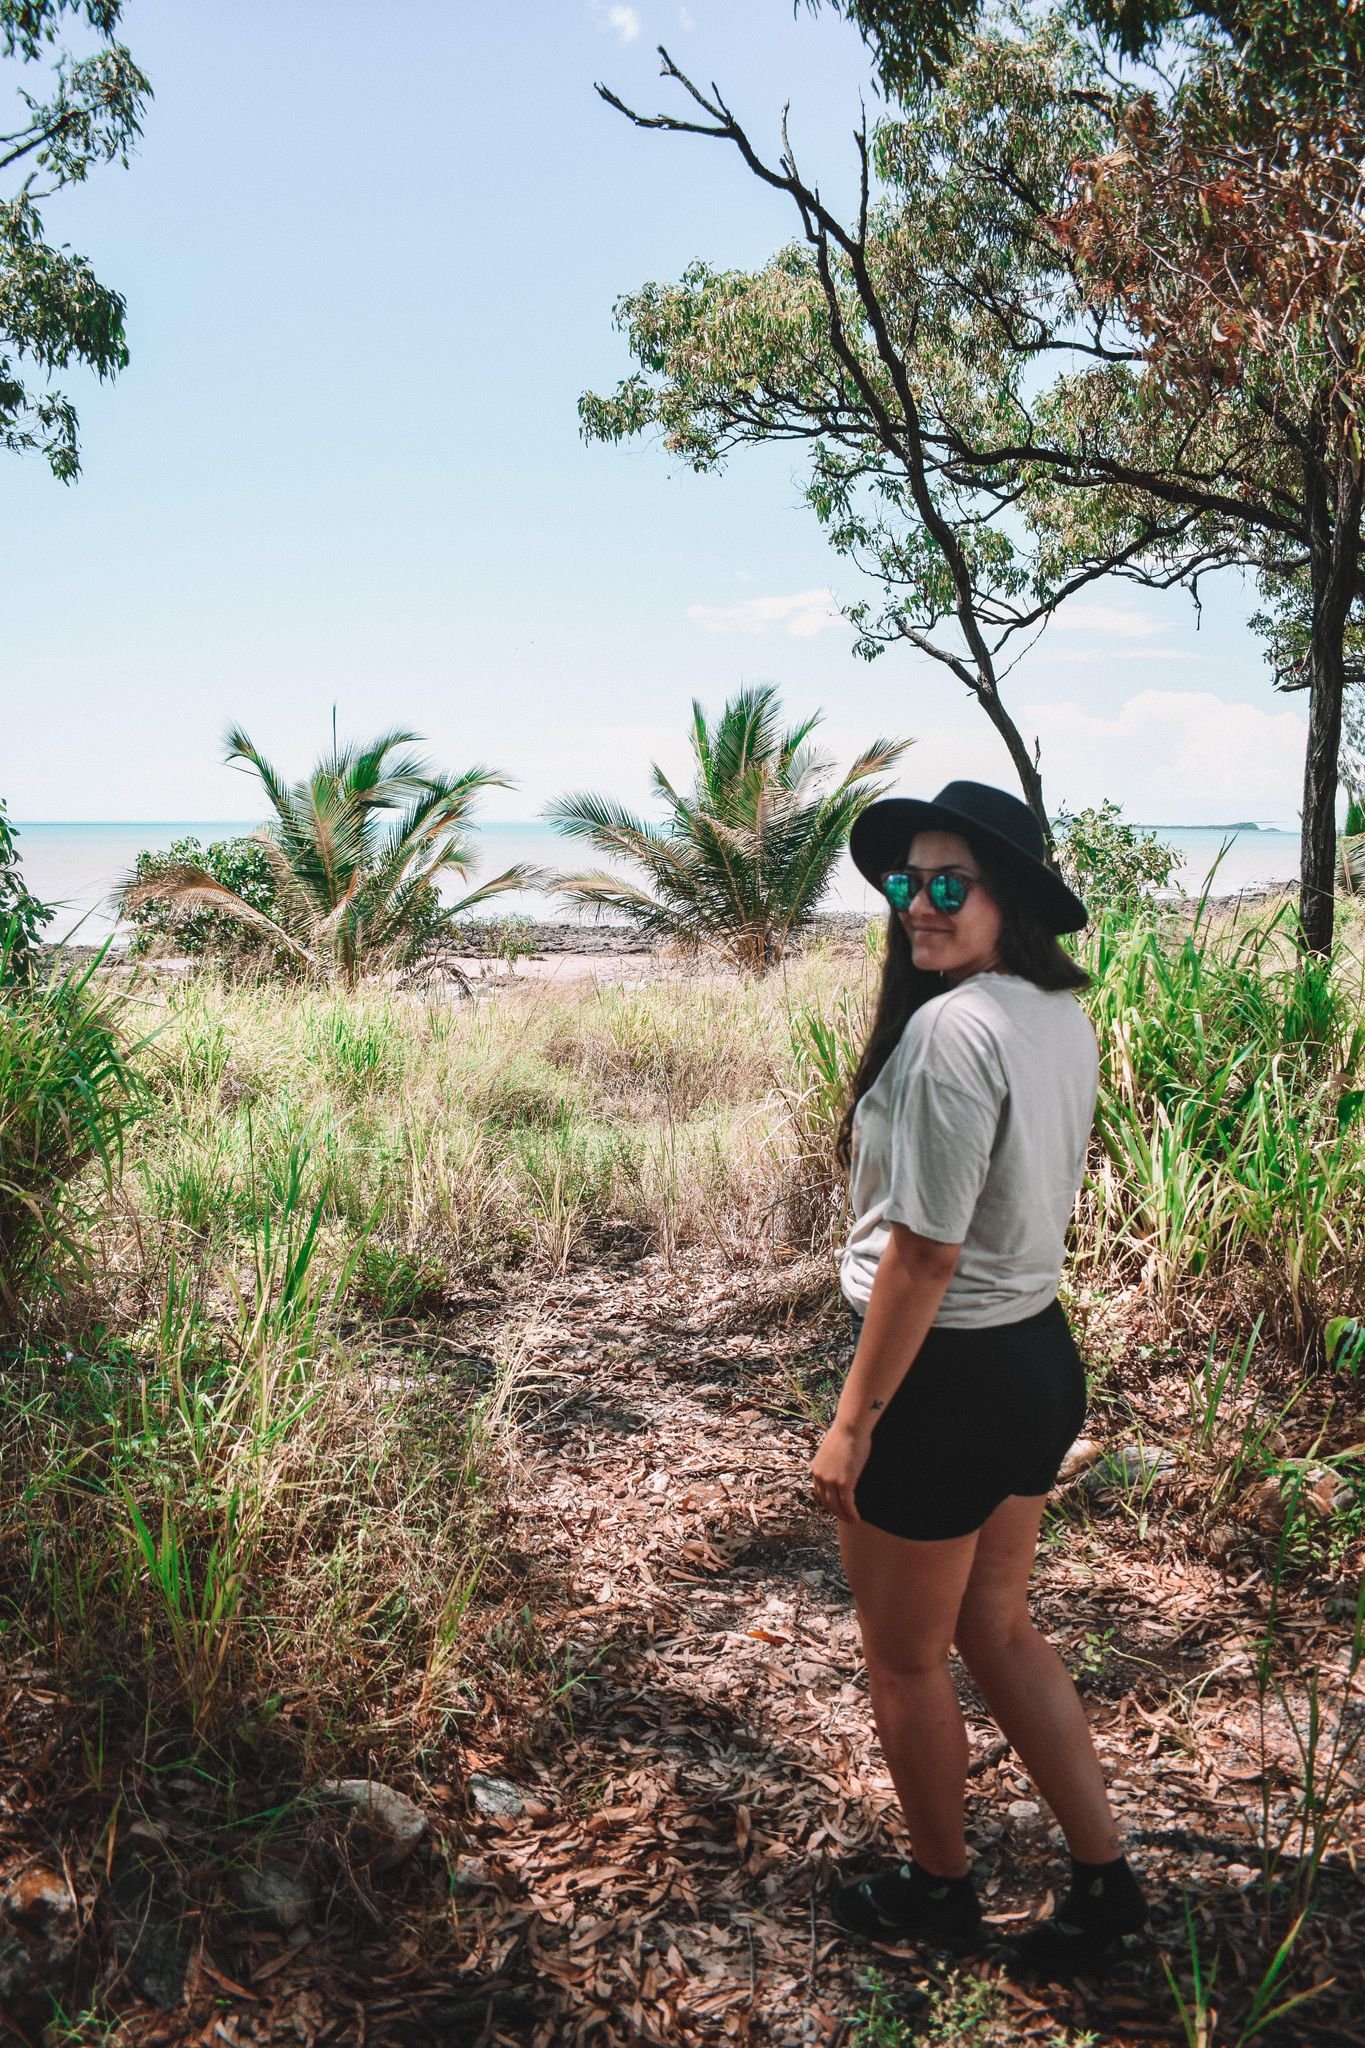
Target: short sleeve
[945,1120]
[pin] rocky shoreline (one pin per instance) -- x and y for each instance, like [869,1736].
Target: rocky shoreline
[513,939]
[494,940]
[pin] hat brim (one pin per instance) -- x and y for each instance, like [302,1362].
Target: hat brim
[880,841]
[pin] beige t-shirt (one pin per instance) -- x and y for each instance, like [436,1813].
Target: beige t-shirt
[975,1133]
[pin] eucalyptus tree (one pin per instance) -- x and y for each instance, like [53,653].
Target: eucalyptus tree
[899,347]
[1266,56]
[1011,372]
[54,312]
[742,860]
[357,852]
[1226,222]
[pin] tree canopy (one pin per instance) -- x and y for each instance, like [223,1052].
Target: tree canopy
[1008,379]
[54,312]
[1277,51]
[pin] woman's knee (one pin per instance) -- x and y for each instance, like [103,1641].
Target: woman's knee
[904,1656]
[988,1634]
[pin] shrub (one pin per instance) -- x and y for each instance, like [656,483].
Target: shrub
[1112,864]
[242,865]
[67,1094]
[22,916]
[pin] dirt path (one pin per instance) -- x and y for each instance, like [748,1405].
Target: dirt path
[663,1689]
[710,1756]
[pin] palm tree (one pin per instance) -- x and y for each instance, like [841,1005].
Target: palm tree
[357,851]
[743,861]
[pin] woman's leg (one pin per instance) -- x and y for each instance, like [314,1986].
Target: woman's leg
[908,1596]
[1025,1684]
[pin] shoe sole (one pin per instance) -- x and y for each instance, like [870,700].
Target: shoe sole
[1086,1956]
[921,1937]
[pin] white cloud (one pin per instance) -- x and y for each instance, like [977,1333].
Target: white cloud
[800,616]
[1172,756]
[624,22]
[1119,622]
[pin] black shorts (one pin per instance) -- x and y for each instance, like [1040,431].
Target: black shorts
[982,1414]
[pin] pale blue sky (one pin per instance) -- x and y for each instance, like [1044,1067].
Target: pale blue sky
[368,274]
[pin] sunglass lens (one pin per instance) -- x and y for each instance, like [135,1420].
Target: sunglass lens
[947,893]
[897,890]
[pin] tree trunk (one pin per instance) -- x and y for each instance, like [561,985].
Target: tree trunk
[1318,854]
[1025,764]
[1333,566]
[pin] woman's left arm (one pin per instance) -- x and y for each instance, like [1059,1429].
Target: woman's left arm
[911,1280]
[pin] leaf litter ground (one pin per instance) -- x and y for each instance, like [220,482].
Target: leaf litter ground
[669,1679]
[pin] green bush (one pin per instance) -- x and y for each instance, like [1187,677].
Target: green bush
[242,865]
[22,916]
[1110,863]
[67,1095]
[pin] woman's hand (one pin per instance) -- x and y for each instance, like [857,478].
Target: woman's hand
[837,1467]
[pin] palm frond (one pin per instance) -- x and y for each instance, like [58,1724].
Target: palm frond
[522,875]
[610,893]
[282,799]
[370,777]
[443,804]
[747,731]
[700,737]
[596,818]
[875,760]
[793,747]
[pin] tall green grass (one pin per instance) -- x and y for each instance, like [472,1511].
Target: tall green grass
[1231,1137]
[68,1093]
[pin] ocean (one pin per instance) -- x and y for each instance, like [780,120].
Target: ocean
[78,866]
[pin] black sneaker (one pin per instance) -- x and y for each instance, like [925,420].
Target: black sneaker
[903,1903]
[1102,1911]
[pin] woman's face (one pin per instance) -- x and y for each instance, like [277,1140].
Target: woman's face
[966,943]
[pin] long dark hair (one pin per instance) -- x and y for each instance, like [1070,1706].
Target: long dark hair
[1028,947]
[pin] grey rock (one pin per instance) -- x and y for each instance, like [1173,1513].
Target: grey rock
[1131,1466]
[470,1874]
[397,1821]
[494,1797]
[282,1897]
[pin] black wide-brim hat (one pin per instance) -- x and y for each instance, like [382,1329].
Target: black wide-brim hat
[1002,826]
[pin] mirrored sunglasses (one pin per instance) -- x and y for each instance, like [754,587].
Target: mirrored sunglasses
[947,891]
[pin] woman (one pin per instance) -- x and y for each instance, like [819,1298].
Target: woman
[967,1135]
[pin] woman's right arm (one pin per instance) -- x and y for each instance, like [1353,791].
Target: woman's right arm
[911,1280]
